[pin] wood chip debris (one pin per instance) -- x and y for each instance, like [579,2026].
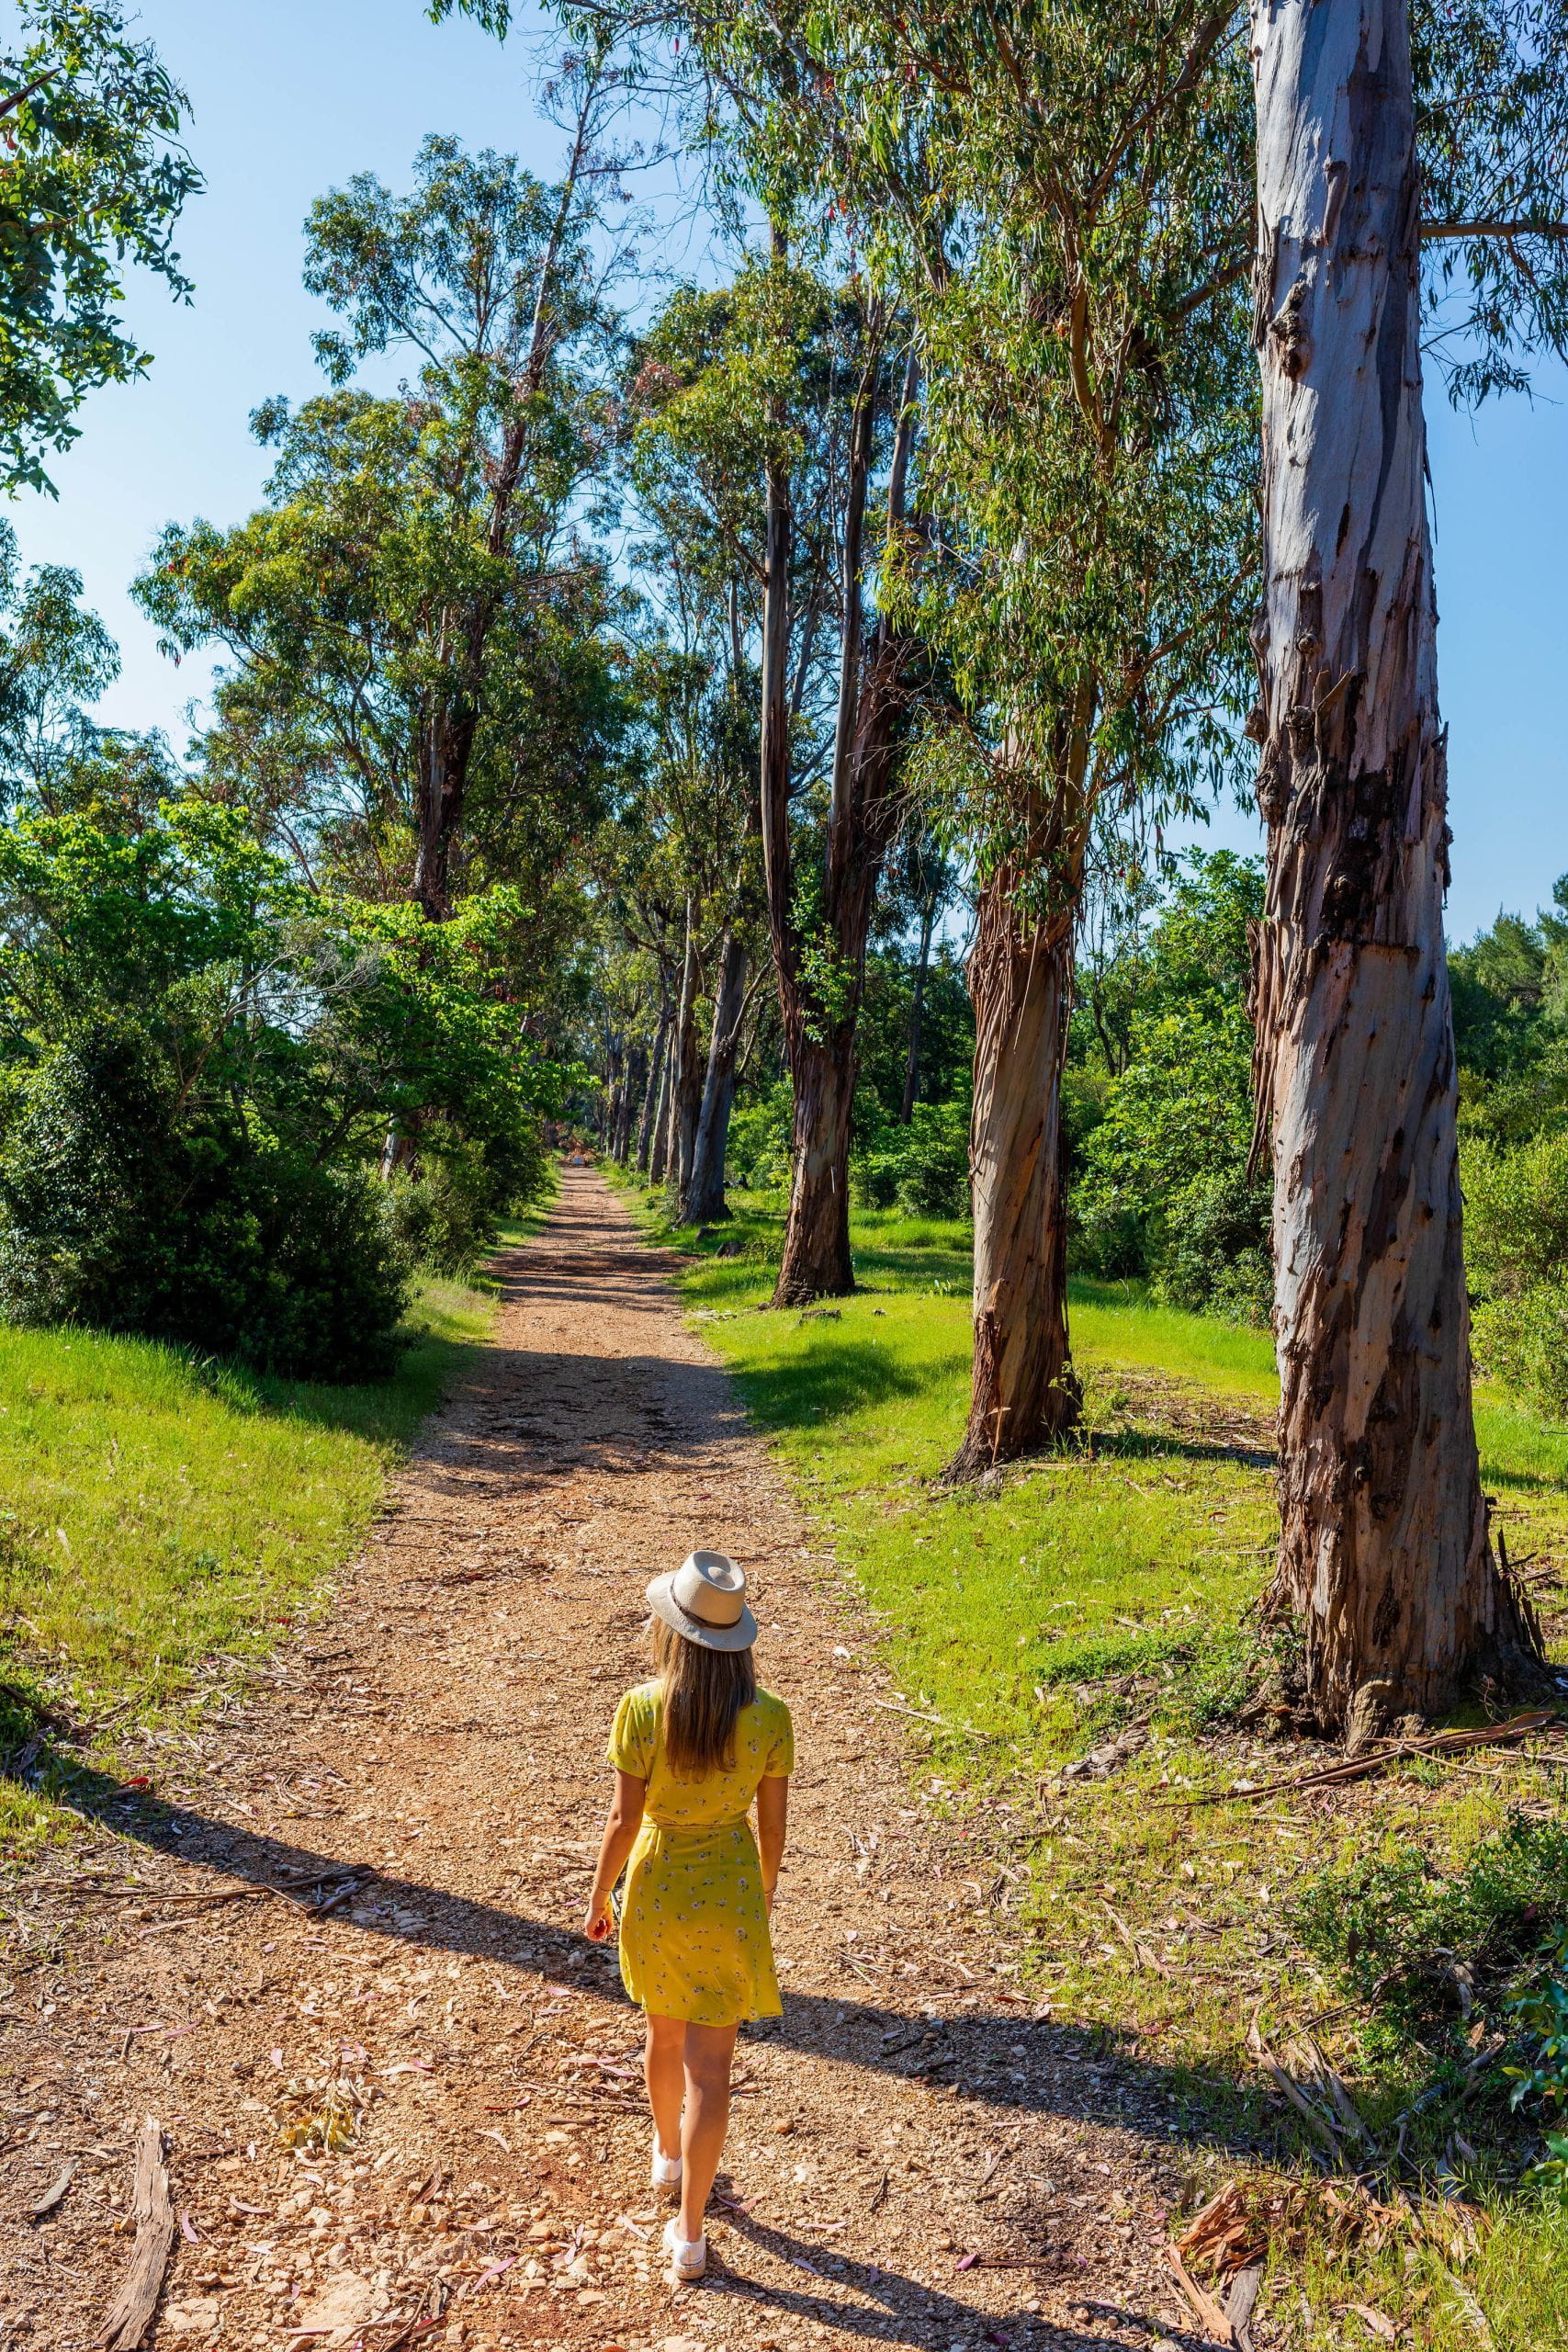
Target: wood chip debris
[131,2313]
[53,2194]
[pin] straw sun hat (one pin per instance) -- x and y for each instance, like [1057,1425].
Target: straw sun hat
[705,1598]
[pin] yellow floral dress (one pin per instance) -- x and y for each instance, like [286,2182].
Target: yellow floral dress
[694,1939]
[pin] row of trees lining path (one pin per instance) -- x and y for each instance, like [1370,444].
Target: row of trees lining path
[1386,1561]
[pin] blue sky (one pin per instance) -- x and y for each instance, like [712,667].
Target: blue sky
[291,98]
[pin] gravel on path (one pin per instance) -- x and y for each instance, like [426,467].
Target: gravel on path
[335,1951]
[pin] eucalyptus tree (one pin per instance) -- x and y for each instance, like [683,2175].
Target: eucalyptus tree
[1052,199]
[776,410]
[1366,154]
[95,176]
[489,277]
[683,887]
[417,695]
[55,657]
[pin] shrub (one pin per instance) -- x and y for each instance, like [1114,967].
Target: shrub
[200,1059]
[923,1168]
[759,1141]
[1538,2015]
[1517,1255]
[935,1178]
[1524,1342]
[125,1207]
[1212,1252]
[1405,1938]
[1516,1232]
[443,1212]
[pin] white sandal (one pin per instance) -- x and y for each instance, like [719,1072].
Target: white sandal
[688,2256]
[664,2172]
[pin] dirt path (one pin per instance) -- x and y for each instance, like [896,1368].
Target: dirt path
[918,2156]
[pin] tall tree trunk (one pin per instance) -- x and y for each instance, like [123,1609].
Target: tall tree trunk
[647,1126]
[822,1044]
[441,775]
[819,1039]
[631,1093]
[610,1103]
[659,1148]
[685,1067]
[704,1203]
[446,750]
[1024,1392]
[912,1062]
[1384,1564]
[817,1261]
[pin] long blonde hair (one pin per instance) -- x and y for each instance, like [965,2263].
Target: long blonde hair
[703,1691]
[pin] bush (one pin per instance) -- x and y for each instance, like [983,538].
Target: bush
[1538,2014]
[1516,1237]
[1403,1938]
[443,1212]
[936,1178]
[759,1147]
[124,1209]
[202,1057]
[1515,1231]
[1524,1342]
[923,1168]
[1212,1253]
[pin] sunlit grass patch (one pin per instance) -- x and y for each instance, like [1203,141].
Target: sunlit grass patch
[162,1518]
[1108,1590]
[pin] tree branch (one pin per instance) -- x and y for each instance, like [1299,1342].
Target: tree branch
[1439,231]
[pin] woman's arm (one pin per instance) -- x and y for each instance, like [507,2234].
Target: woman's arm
[620,1836]
[773,1818]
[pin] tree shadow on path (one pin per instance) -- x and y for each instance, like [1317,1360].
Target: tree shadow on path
[1065,2070]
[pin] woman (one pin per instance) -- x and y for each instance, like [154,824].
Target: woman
[691,1750]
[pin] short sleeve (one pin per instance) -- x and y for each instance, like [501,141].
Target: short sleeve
[632,1741]
[780,1745]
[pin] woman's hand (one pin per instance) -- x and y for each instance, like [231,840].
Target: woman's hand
[621,1827]
[772,1816]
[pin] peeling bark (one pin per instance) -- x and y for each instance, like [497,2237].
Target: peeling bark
[817,1261]
[1024,1392]
[1385,1563]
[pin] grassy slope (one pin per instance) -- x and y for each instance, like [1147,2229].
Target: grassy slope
[160,1519]
[1100,1587]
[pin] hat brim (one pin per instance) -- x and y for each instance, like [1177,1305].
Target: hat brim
[662,1601]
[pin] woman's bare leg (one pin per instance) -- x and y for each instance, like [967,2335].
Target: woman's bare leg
[663,2070]
[709,2052]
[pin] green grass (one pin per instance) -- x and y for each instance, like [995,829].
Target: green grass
[1109,1584]
[162,1519]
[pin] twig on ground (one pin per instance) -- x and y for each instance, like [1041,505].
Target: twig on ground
[1359,1768]
[1211,2319]
[890,1707]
